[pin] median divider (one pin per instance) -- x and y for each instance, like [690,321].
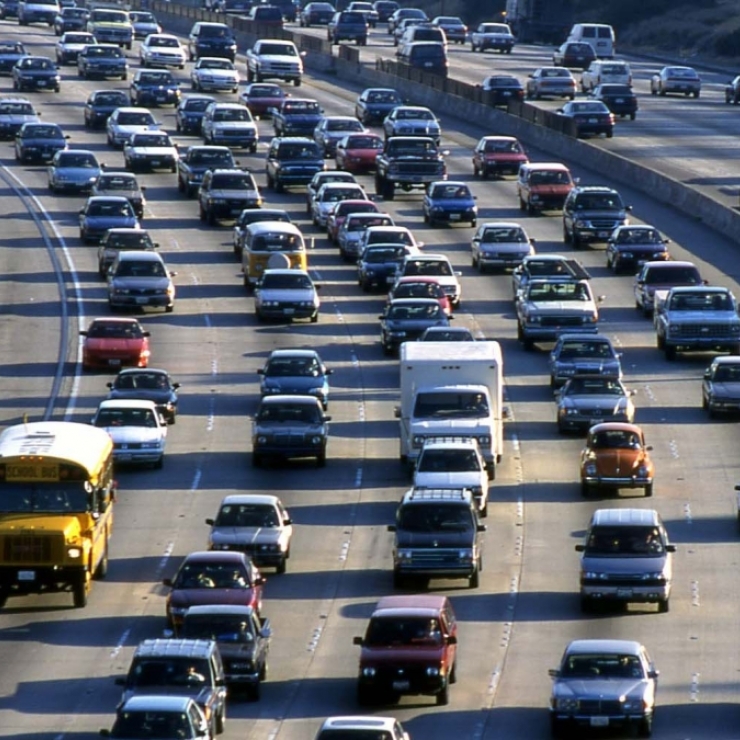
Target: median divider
[536,127]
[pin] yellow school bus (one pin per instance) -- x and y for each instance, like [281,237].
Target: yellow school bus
[56,508]
[263,240]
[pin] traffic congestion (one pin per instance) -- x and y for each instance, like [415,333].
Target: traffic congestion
[370,376]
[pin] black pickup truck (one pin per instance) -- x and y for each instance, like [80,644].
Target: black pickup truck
[408,162]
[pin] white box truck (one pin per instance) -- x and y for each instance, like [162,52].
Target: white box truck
[451,389]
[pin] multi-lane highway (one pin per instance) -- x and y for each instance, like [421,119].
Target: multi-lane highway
[60,663]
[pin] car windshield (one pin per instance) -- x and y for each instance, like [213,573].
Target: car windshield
[299,151]
[670,275]
[196,105]
[265,91]
[150,140]
[17,109]
[109,210]
[726,374]
[112,99]
[104,51]
[215,32]
[154,725]
[141,380]
[287,50]
[44,497]
[42,132]
[280,241]
[555,72]
[451,191]
[342,209]
[383,96]
[593,387]
[549,177]
[625,90]
[141,269]
[115,330]
[415,114]
[334,195]
[430,405]
[361,223]
[164,41]
[616,439]
[213,158]
[402,630]
[411,147]
[301,367]
[156,78]
[247,515]
[79,38]
[503,235]
[502,146]
[546,268]
[435,334]
[125,417]
[364,142]
[379,256]
[699,301]
[579,348]
[233,181]
[128,241]
[631,541]
[162,671]
[502,82]
[448,461]
[602,666]
[212,575]
[588,108]
[135,118]
[232,114]
[117,182]
[11,48]
[219,627]
[70,159]
[638,236]
[109,16]
[683,72]
[428,267]
[598,201]
[141,17]
[37,63]
[290,413]
[215,64]
[559,292]
[351,124]
[418,290]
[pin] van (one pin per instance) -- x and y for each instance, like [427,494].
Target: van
[422,32]
[262,240]
[611,71]
[599,35]
[428,56]
[543,186]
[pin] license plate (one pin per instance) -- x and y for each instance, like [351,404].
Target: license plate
[289,311]
[156,163]
[390,279]
[26,575]
[401,685]
[599,721]
[619,100]
[161,98]
[592,120]
[506,93]
[455,217]
[417,179]
[142,301]
[428,64]
[604,234]
[114,362]
[624,592]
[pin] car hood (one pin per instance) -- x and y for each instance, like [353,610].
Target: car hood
[141,283]
[279,58]
[157,396]
[604,688]
[78,173]
[153,151]
[455,540]
[135,435]
[39,72]
[113,345]
[228,73]
[413,324]
[112,222]
[551,189]
[134,128]
[566,307]
[235,194]
[33,141]
[234,125]
[245,535]
[606,403]
[618,461]
[128,194]
[19,118]
[452,202]
[185,597]
[504,157]
[157,88]
[397,654]
[468,479]
[294,385]
[201,694]
[72,46]
[622,565]
[287,295]
[703,317]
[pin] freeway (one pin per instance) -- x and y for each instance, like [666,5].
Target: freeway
[61,662]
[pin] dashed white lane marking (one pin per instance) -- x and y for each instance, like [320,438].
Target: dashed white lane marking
[358,478]
[649,392]
[163,560]
[695,593]
[119,645]
[196,480]
[673,447]
[344,551]
[316,637]
[687,513]
[694,690]
[211,419]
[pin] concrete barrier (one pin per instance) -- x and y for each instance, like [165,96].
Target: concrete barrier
[531,126]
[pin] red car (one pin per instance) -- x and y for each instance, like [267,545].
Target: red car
[498,155]
[342,209]
[357,152]
[259,97]
[115,343]
[417,286]
[226,577]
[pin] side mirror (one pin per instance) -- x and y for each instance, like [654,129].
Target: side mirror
[601,299]
[209,521]
[175,386]
[109,385]
[397,412]
[167,582]
[326,418]
[451,640]
[553,673]
[143,190]
[482,528]
[653,673]
[649,448]
[120,681]
[261,371]
[357,641]
[670,548]
[707,375]
[580,548]
[328,371]
[260,581]
[391,527]
[83,333]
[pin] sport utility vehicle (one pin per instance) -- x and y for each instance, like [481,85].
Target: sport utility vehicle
[428,56]
[606,70]
[626,558]
[455,462]
[349,25]
[590,214]
[409,647]
[211,40]
[438,535]
[660,277]
[422,32]
[292,161]
[224,194]
[188,667]
[229,124]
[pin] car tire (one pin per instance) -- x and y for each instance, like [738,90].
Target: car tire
[585,489]
[282,566]
[221,719]
[256,460]
[79,593]
[474,580]
[670,353]
[159,464]
[663,606]
[648,490]
[645,727]
[443,697]
[321,459]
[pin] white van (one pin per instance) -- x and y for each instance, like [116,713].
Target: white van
[614,71]
[599,35]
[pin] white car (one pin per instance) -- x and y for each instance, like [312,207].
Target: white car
[454,462]
[125,121]
[258,525]
[329,195]
[138,430]
[321,178]
[214,74]
[437,266]
[161,50]
[389,234]
[229,124]
[359,727]
[150,150]
[71,44]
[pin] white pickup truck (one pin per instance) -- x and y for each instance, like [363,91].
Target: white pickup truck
[274,59]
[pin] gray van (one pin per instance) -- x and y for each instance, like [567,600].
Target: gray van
[428,56]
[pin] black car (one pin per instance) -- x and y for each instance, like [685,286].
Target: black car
[190,112]
[154,88]
[316,14]
[224,194]
[147,384]
[385,9]
[574,55]
[378,265]
[211,40]
[36,73]
[292,160]
[619,99]
[500,90]
[8,9]
[375,103]
[71,19]
[198,160]
[39,142]
[100,104]
[10,53]
[592,117]
[406,319]
[102,60]
[14,112]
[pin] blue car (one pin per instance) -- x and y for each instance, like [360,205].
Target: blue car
[296,372]
[190,112]
[39,142]
[406,319]
[10,53]
[73,170]
[14,112]
[36,73]
[103,212]
[450,202]
[154,87]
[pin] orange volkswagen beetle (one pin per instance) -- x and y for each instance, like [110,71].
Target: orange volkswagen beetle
[615,456]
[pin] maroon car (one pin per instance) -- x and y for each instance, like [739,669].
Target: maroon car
[213,577]
[259,97]
[498,155]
